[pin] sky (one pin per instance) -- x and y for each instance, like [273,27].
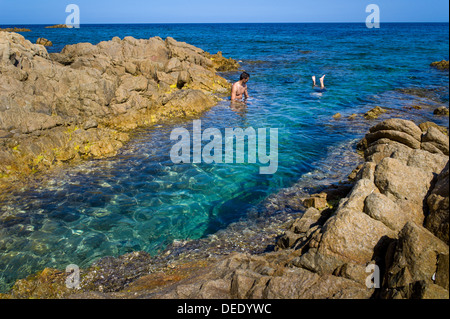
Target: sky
[209,11]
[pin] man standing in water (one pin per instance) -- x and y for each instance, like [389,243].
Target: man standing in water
[239,89]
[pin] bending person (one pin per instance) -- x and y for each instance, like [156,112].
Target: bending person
[322,85]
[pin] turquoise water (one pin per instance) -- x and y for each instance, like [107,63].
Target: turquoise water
[140,200]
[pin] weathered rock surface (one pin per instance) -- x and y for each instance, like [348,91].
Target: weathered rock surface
[243,276]
[84,101]
[434,141]
[385,209]
[438,204]
[418,265]
[45,42]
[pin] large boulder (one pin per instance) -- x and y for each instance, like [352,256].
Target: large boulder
[435,141]
[352,236]
[438,204]
[398,125]
[383,209]
[293,283]
[407,186]
[418,264]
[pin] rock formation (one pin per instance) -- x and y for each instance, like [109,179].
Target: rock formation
[82,102]
[44,42]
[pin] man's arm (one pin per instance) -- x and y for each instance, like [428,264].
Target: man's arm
[246,93]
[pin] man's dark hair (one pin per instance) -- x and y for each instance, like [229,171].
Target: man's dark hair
[245,75]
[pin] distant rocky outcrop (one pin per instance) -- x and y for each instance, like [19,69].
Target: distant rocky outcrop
[44,42]
[82,102]
[57,26]
[15,29]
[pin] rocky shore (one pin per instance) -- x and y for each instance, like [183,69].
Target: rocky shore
[393,214]
[86,101]
[395,217]
[390,221]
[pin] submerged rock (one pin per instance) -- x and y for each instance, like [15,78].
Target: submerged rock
[44,42]
[441,111]
[374,113]
[441,65]
[337,116]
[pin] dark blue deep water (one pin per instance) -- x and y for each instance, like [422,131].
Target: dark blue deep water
[139,200]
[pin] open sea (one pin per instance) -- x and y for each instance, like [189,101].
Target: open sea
[141,201]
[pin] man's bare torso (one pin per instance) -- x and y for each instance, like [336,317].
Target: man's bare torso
[240,90]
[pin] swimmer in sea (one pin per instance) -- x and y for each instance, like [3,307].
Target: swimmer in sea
[322,85]
[239,89]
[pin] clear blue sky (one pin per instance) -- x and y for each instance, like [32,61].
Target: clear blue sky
[207,11]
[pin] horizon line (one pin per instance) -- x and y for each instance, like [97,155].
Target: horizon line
[145,23]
